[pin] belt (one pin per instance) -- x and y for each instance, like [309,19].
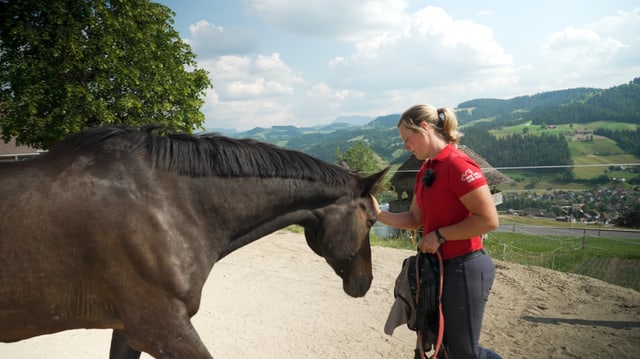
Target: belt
[465,257]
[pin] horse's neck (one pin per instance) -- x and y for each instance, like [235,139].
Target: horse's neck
[263,206]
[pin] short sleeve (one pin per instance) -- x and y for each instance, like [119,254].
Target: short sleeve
[465,175]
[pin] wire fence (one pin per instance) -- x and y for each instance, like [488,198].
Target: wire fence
[606,254]
[611,255]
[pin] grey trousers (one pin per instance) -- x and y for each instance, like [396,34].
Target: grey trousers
[466,288]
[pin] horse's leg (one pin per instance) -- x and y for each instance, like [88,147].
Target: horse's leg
[120,348]
[164,332]
[176,341]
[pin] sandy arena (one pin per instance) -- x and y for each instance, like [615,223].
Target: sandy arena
[276,299]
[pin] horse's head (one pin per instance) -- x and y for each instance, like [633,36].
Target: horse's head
[340,234]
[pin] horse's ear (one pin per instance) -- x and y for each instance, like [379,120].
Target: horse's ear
[373,183]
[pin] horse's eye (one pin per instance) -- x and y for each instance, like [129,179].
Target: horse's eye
[371,222]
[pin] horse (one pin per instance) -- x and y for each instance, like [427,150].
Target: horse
[118,227]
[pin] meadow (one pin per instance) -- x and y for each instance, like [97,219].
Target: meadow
[616,261]
[592,157]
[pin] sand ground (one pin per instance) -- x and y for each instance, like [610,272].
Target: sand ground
[276,299]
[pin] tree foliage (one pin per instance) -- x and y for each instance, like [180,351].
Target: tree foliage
[617,104]
[628,141]
[630,218]
[359,157]
[581,105]
[67,65]
[514,111]
[518,149]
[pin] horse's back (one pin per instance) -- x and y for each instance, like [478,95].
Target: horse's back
[91,232]
[59,221]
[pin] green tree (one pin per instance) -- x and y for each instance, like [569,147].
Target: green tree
[67,65]
[359,157]
[630,218]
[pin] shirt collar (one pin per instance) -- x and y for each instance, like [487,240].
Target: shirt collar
[444,153]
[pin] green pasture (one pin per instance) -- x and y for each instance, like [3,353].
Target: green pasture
[615,261]
[591,156]
[531,181]
[562,129]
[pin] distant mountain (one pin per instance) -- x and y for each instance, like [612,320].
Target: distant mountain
[385,121]
[617,104]
[231,132]
[352,120]
[580,105]
[510,112]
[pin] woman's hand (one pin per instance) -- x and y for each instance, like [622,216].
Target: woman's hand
[376,206]
[429,243]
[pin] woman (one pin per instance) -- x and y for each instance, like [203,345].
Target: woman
[453,204]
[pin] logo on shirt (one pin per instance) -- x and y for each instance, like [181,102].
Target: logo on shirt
[470,176]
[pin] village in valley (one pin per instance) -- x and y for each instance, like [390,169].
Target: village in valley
[599,206]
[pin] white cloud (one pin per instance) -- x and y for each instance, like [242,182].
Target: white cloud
[337,61]
[212,40]
[250,91]
[600,54]
[331,18]
[484,13]
[431,51]
[624,25]
[416,60]
[244,115]
[580,48]
[393,59]
[243,77]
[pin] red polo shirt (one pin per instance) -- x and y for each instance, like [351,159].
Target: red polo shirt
[455,174]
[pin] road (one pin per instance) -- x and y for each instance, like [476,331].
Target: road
[570,232]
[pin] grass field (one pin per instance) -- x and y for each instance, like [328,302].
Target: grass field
[591,158]
[563,129]
[615,261]
[605,259]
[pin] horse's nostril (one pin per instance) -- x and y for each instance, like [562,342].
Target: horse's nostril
[357,287]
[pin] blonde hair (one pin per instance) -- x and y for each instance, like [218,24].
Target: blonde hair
[443,120]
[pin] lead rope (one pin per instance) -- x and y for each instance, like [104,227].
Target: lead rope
[440,336]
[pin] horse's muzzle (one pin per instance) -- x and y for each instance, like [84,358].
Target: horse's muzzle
[357,286]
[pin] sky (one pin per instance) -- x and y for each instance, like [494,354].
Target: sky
[309,62]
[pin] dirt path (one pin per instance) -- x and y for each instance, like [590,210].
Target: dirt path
[276,299]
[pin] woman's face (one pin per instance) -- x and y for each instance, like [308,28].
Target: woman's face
[414,141]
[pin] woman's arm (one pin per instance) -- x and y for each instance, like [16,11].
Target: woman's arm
[483,219]
[411,219]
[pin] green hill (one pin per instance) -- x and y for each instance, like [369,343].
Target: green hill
[583,129]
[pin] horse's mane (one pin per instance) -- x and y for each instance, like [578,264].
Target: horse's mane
[210,154]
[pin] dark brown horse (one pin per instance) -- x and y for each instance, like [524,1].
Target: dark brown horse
[119,228]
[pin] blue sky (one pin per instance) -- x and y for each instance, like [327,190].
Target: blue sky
[303,63]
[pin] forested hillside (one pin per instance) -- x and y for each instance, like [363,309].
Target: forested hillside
[513,111]
[581,105]
[381,135]
[618,104]
[629,141]
[518,150]
[480,119]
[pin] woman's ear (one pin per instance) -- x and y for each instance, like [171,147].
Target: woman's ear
[425,126]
